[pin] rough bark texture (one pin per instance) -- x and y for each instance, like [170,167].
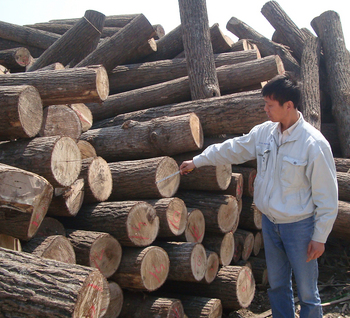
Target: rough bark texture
[50,226]
[250,217]
[342,164]
[235,187]
[343,179]
[342,224]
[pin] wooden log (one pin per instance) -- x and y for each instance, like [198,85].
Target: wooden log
[116,300]
[77,289]
[242,45]
[163,136]
[342,164]
[266,47]
[57,159]
[55,247]
[148,306]
[212,266]
[236,113]
[97,179]
[23,206]
[105,297]
[137,32]
[249,175]
[337,58]
[86,149]
[58,28]
[3,70]
[259,269]
[142,268]
[246,239]
[310,73]
[147,48]
[50,226]
[67,201]
[258,242]
[75,44]
[60,120]
[250,217]
[8,44]
[343,179]
[132,223]
[341,225]
[223,245]
[330,132]
[172,213]
[15,59]
[231,78]
[219,210]
[21,112]
[68,86]
[96,249]
[10,242]
[84,115]
[203,80]
[235,187]
[143,179]
[195,227]
[188,261]
[237,253]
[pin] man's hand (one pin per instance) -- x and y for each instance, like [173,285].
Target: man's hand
[186,167]
[314,250]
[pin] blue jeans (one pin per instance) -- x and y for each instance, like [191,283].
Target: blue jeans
[286,251]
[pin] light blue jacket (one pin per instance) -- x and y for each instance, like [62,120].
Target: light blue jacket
[294,181]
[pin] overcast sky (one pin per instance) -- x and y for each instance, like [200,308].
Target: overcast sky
[166,12]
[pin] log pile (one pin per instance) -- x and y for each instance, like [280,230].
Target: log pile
[91,142]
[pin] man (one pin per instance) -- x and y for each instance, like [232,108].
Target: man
[295,189]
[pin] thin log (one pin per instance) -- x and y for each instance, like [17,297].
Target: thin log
[15,59]
[116,300]
[246,239]
[250,217]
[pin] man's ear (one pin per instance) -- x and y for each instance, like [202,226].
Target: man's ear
[289,104]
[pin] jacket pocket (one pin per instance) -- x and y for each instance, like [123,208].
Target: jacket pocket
[292,172]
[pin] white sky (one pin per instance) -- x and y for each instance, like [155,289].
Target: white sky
[166,12]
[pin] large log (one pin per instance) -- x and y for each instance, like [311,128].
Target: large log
[203,79]
[231,78]
[132,223]
[236,113]
[330,131]
[144,179]
[134,34]
[96,249]
[15,59]
[68,86]
[57,159]
[341,224]
[220,211]
[328,28]
[21,112]
[163,136]
[342,164]
[24,200]
[343,179]
[142,268]
[75,44]
[77,289]
[116,300]
[195,227]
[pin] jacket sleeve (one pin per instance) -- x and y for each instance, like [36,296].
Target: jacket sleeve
[232,151]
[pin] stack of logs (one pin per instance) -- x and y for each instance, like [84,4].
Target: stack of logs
[96,116]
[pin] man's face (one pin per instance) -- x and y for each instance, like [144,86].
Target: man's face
[274,110]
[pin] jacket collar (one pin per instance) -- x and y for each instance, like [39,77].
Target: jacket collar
[295,133]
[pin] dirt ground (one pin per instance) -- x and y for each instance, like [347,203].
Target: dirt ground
[334,286]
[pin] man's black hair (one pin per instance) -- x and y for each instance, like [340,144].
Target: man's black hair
[283,88]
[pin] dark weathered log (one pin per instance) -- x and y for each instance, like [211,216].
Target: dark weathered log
[188,261]
[21,112]
[246,240]
[213,263]
[8,44]
[60,120]
[310,77]
[195,227]
[67,201]
[143,179]
[10,242]
[142,268]
[341,225]
[266,47]
[172,213]
[132,76]
[149,306]
[86,149]
[243,45]
[223,245]
[342,164]
[15,59]
[97,179]
[84,115]
[337,58]
[80,40]
[132,223]
[57,159]
[249,175]
[330,131]
[116,300]
[220,211]
[203,81]
[55,247]
[77,289]
[137,55]
[235,187]
[58,28]
[68,86]
[250,217]
[96,249]
[163,136]
[50,226]
[23,206]
[134,34]
[343,179]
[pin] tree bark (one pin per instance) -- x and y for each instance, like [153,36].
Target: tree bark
[96,249]
[8,44]
[246,240]
[50,226]
[249,175]
[134,34]
[68,86]
[342,164]
[75,44]
[163,136]
[116,300]
[250,217]
[235,187]
[132,223]
[143,179]
[24,200]
[142,268]
[330,132]
[328,28]
[84,115]
[343,179]
[21,112]
[341,224]
[15,59]
[77,289]
[57,159]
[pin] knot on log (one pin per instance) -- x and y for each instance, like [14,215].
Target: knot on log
[151,215]
[128,124]
[212,91]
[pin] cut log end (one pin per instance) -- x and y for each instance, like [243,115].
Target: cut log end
[167,188]
[198,262]
[177,216]
[245,287]
[102,83]
[86,149]
[197,131]
[223,176]
[227,214]
[116,300]
[195,227]
[227,249]
[212,267]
